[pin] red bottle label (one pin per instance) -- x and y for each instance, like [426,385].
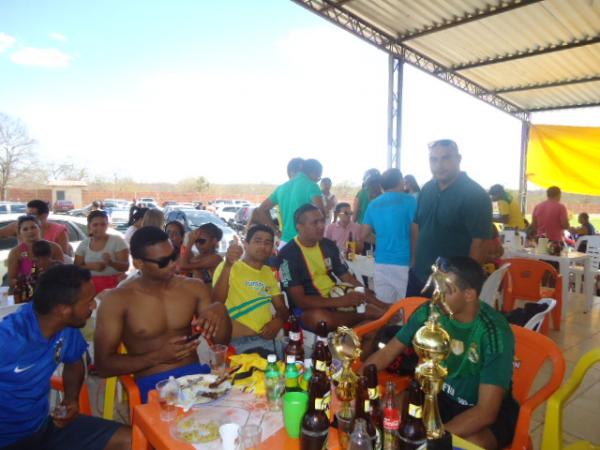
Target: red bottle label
[391,419]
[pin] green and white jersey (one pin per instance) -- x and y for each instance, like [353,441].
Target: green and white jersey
[481,352]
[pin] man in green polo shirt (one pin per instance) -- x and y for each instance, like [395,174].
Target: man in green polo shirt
[290,196]
[476,403]
[454,213]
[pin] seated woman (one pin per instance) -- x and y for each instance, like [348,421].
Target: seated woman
[105,255]
[205,239]
[342,228]
[21,258]
[176,231]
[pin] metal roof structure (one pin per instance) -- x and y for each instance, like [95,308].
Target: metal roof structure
[521,56]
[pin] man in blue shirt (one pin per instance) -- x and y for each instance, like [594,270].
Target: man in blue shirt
[35,340]
[390,216]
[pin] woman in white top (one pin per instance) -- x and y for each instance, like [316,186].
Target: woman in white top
[105,255]
[135,221]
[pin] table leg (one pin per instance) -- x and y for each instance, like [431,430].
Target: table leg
[588,286]
[563,266]
[139,441]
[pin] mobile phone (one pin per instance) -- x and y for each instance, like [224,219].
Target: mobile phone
[193,337]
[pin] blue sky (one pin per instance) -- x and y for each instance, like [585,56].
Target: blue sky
[230,90]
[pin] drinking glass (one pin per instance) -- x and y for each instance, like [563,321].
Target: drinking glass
[168,398]
[218,360]
[250,437]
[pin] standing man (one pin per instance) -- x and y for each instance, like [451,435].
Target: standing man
[298,191]
[454,213]
[35,340]
[550,217]
[250,291]
[390,216]
[153,315]
[509,210]
[329,199]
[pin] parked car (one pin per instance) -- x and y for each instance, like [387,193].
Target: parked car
[119,218]
[76,229]
[13,208]
[63,206]
[227,213]
[193,218]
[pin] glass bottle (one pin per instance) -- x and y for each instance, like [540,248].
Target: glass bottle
[294,346]
[374,391]
[321,333]
[391,418]
[412,433]
[363,409]
[315,425]
[360,439]
[321,371]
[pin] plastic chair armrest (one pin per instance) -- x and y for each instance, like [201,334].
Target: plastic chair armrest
[133,392]
[377,324]
[521,439]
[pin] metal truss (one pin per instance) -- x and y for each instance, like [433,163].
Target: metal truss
[574,106]
[525,127]
[337,15]
[488,11]
[394,115]
[550,84]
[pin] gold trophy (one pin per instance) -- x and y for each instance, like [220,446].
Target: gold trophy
[347,347]
[432,344]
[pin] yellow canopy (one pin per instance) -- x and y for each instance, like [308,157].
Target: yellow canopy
[567,157]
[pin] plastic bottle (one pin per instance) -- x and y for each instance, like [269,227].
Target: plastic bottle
[360,439]
[273,383]
[291,375]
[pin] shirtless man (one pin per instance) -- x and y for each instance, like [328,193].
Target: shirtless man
[153,315]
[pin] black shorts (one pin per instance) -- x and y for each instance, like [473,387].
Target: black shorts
[85,432]
[504,427]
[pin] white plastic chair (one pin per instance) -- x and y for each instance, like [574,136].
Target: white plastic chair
[535,323]
[593,251]
[489,291]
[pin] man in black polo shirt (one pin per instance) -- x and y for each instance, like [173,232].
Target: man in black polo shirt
[309,266]
[454,213]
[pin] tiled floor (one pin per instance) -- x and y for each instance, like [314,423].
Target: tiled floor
[579,333]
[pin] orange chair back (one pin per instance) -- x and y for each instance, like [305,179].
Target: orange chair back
[57,383]
[406,307]
[526,276]
[531,352]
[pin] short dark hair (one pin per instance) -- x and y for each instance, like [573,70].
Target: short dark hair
[258,228]
[299,214]
[553,191]
[340,206]
[95,214]
[212,230]
[497,190]
[59,285]
[178,224]
[294,166]
[312,166]
[326,180]
[391,179]
[584,216]
[145,237]
[41,249]
[469,273]
[40,205]
[26,218]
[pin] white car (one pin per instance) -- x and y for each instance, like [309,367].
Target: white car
[76,228]
[227,213]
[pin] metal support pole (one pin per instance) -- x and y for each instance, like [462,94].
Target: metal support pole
[525,124]
[395,84]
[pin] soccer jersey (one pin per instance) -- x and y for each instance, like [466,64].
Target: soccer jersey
[481,352]
[311,267]
[250,294]
[27,362]
[512,209]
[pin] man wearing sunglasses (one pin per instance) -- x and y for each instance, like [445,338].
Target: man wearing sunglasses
[153,316]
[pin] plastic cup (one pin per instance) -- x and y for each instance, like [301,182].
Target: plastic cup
[295,405]
[229,436]
[345,426]
[168,398]
[250,437]
[218,360]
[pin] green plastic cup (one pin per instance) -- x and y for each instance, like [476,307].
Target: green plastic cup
[295,405]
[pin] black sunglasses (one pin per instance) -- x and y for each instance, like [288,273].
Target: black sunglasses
[162,262]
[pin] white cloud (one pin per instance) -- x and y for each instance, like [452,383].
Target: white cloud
[58,37]
[6,41]
[41,57]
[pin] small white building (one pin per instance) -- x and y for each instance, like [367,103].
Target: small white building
[68,190]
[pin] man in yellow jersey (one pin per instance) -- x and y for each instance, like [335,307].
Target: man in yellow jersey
[509,210]
[309,266]
[249,289]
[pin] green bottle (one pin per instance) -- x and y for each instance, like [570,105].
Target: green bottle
[273,383]
[291,375]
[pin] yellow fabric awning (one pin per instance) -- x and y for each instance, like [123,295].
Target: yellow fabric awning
[567,157]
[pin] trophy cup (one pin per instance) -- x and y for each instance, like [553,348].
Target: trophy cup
[347,347]
[432,344]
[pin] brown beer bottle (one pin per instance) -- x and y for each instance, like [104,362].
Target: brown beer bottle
[294,346]
[374,395]
[315,425]
[412,432]
[321,375]
[363,410]
[321,333]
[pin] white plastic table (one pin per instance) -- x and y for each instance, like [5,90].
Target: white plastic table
[362,266]
[564,262]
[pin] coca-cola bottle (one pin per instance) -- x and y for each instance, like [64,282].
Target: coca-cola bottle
[321,333]
[412,433]
[391,418]
[315,425]
[363,409]
[294,346]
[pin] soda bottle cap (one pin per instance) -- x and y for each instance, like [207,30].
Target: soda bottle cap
[307,363]
[290,359]
[272,358]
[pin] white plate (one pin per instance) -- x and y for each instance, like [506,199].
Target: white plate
[195,390]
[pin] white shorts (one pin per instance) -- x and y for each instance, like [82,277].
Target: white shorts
[390,282]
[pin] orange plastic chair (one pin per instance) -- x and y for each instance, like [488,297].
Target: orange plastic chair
[56,383]
[531,352]
[524,282]
[407,307]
